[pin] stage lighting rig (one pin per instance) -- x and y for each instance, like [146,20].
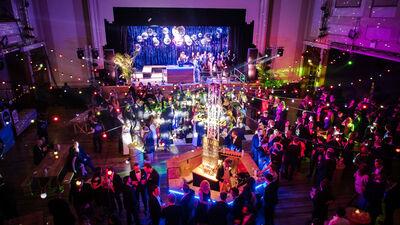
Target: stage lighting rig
[80,53]
[279,52]
[95,53]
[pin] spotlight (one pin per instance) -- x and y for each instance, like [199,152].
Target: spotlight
[78,183]
[268,52]
[80,53]
[104,135]
[56,118]
[95,53]
[349,62]
[43,195]
[280,52]
[109,172]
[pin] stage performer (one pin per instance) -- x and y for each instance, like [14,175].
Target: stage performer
[210,63]
[182,59]
[196,65]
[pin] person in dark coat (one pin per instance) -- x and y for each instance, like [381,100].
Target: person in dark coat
[256,144]
[374,192]
[138,177]
[291,156]
[238,203]
[118,184]
[97,130]
[391,199]
[270,199]
[149,144]
[81,197]
[187,203]
[152,176]
[130,201]
[61,212]
[218,213]
[39,152]
[42,125]
[155,205]
[172,213]
[235,141]
[321,198]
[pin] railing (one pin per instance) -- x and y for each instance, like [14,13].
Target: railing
[239,75]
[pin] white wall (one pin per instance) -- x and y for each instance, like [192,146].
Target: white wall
[378,27]
[61,25]
[287,30]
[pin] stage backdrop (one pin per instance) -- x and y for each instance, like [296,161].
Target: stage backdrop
[161,45]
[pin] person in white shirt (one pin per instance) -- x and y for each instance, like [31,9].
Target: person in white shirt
[339,218]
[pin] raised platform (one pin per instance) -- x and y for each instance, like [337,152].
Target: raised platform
[187,166]
[172,74]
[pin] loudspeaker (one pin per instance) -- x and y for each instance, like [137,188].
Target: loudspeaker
[353,34]
[5,118]
[252,54]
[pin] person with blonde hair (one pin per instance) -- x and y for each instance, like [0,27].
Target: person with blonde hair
[204,200]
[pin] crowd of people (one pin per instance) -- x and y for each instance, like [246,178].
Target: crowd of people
[208,62]
[329,139]
[348,136]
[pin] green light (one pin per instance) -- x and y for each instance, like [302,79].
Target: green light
[350,62]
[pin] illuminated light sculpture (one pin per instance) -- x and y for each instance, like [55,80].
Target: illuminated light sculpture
[211,141]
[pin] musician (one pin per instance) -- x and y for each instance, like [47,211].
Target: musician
[210,62]
[182,59]
[224,175]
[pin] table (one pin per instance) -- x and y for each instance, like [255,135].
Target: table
[357,216]
[176,74]
[35,218]
[80,124]
[48,174]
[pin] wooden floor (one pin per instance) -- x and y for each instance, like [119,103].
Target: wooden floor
[294,204]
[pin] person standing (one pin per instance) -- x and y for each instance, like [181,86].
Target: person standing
[256,144]
[97,130]
[202,207]
[270,199]
[39,152]
[187,203]
[224,175]
[130,201]
[138,177]
[321,198]
[339,218]
[155,205]
[218,213]
[149,146]
[391,199]
[42,125]
[291,158]
[172,212]
[152,176]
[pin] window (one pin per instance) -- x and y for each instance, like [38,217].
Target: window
[347,3]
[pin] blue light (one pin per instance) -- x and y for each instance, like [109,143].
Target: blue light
[260,185]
